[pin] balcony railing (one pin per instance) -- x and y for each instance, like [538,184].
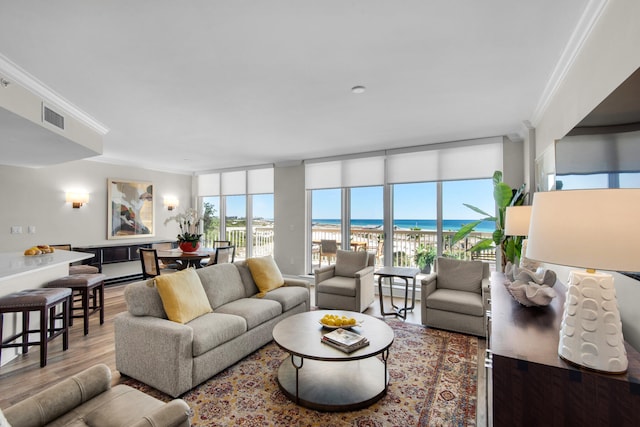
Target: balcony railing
[405,243]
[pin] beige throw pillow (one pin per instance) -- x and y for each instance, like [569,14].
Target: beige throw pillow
[183,296]
[265,273]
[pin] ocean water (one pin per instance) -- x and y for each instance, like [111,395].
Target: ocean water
[407,224]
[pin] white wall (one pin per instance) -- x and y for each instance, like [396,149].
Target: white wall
[608,57]
[37,197]
[289,212]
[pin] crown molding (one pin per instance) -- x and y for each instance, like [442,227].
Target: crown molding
[588,19]
[15,74]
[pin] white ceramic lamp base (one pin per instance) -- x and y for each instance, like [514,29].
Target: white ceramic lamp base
[591,330]
[525,262]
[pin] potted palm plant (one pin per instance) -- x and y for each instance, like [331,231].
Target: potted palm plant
[424,257]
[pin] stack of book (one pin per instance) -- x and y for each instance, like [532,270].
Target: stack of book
[345,340]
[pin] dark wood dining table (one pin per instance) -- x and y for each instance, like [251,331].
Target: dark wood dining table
[185,259]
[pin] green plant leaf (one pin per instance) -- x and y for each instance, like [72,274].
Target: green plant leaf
[510,250]
[464,232]
[482,245]
[498,236]
[502,194]
[497,177]
[489,217]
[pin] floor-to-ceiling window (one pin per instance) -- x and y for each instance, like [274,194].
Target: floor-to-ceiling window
[211,220]
[240,203]
[235,222]
[262,224]
[326,223]
[367,221]
[414,221]
[455,195]
[420,192]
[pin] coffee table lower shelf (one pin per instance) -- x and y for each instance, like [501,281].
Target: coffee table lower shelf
[333,386]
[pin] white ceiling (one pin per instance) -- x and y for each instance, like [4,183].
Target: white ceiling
[199,85]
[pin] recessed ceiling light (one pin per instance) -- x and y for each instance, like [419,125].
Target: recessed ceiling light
[358,89]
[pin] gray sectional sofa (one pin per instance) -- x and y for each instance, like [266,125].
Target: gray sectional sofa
[174,357]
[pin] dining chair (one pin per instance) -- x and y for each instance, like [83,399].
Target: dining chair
[215,244]
[328,249]
[150,264]
[223,254]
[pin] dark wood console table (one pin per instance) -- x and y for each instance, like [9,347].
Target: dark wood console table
[120,252]
[532,386]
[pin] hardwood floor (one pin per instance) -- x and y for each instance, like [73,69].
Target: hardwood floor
[22,377]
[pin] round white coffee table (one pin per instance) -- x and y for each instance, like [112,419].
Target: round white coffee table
[321,377]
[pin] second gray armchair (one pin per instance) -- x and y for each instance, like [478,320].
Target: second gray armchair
[348,284]
[455,297]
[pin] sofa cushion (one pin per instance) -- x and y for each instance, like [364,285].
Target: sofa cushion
[459,275]
[222,283]
[456,301]
[289,296]
[265,273]
[143,299]
[255,311]
[183,296]
[247,279]
[213,329]
[348,263]
[338,285]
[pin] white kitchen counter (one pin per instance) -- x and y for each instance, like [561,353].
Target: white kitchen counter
[15,264]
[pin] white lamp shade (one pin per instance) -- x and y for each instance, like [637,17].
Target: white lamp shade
[517,220]
[597,229]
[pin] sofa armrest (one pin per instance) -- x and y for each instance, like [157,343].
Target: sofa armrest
[173,414]
[429,284]
[324,273]
[57,400]
[296,282]
[362,273]
[155,351]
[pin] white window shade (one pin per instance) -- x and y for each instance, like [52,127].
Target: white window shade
[358,172]
[366,171]
[234,183]
[260,181]
[446,164]
[323,175]
[209,184]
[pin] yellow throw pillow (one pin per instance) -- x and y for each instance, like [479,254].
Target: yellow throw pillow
[182,295]
[265,273]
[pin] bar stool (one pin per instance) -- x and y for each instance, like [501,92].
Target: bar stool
[88,290]
[42,300]
[83,269]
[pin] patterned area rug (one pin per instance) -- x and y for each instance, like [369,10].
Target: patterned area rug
[433,382]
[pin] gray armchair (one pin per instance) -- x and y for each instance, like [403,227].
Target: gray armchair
[348,284]
[88,399]
[455,297]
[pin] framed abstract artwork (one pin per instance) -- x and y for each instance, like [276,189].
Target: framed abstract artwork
[130,209]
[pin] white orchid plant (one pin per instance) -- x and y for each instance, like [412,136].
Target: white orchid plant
[189,222]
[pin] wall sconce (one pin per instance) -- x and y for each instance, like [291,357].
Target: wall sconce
[77,199]
[171,203]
